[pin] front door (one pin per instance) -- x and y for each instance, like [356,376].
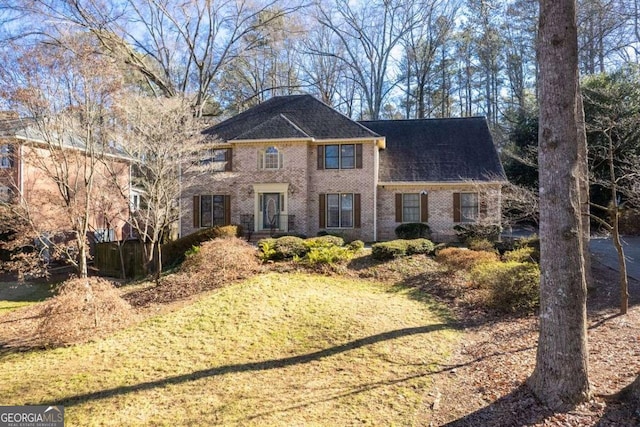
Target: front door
[271,211]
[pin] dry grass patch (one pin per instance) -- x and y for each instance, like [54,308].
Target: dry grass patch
[277,349]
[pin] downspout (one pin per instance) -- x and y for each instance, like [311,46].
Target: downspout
[21,173]
[376,156]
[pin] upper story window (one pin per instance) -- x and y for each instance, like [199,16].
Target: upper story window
[340,156]
[5,156]
[270,158]
[218,159]
[465,207]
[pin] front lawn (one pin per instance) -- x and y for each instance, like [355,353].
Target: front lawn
[278,349]
[14,295]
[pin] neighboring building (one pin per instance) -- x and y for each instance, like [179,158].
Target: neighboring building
[27,165]
[294,165]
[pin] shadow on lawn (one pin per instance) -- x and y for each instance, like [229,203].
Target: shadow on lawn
[251,366]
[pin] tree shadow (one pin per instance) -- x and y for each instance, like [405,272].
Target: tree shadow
[518,408]
[248,367]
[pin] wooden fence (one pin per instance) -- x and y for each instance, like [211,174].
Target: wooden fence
[107,259]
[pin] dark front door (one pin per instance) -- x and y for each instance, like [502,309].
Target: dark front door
[271,211]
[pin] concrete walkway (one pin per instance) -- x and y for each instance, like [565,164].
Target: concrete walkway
[603,250]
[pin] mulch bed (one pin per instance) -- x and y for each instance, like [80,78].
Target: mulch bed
[483,383]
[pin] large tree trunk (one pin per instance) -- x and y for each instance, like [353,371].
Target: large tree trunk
[560,378]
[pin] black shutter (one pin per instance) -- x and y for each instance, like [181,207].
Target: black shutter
[424,207]
[456,207]
[356,211]
[196,211]
[322,210]
[398,207]
[320,157]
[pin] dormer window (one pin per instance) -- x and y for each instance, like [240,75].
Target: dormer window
[270,158]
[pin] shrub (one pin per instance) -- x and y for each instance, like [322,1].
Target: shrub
[267,249]
[524,254]
[327,240]
[419,246]
[413,230]
[328,255]
[464,259]
[173,253]
[288,247]
[389,250]
[356,245]
[481,245]
[513,286]
[530,242]
[466,232]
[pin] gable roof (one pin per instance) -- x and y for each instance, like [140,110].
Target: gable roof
[293,116]
[437,150]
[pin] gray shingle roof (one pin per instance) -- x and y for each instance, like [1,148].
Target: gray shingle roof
[289,117]
[437,150]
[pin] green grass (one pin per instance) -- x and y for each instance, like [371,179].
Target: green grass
[15,295]
[274,350]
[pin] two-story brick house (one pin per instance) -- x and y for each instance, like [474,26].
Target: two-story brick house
[293,164]
[32,171]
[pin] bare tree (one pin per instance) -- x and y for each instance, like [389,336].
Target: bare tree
[560,378]
[178,47]
[160,136]
[368,34]
[64,185]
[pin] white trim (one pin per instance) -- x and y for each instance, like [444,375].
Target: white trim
[273,187]
[439,183]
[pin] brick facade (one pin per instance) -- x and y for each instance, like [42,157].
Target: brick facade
[301,183]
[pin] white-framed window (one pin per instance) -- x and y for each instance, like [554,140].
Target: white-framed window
[340,210]
[218,159]
[5,156]
[212,211]
[270,158]
[411,207]
[340,156]
[469,207]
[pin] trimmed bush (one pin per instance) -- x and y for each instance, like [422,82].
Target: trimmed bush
[328,255]
[356,245]
[389,250]
[513,286]
[464,259]
[325,241]
[524,254]
[481,245]
[466,232]
[413,230]
[419,246]
[288,247]
[173,253]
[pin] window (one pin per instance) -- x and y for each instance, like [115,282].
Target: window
[340,156]
[468,207]
[410,208]
[5,156]
[271,158]
[211,210]
[339,210]
[218,159]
